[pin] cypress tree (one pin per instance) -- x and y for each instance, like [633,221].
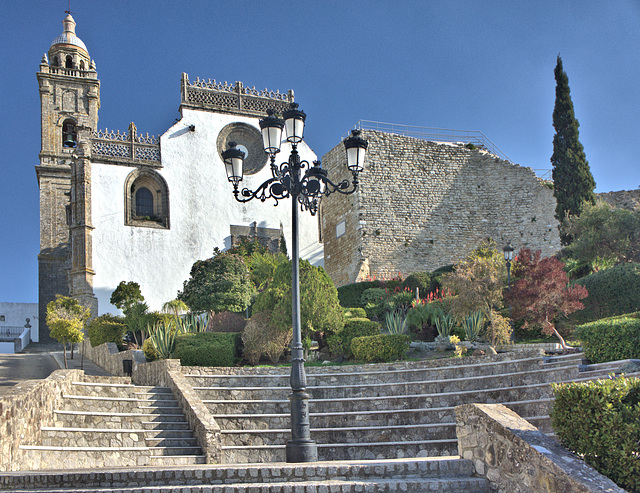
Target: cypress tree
[572,179]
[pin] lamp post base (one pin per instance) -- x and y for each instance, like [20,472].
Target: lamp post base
[302,451]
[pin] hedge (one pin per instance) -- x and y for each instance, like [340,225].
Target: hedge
[613,291]
[107,328]
[380,348]
[354,313]
[208,348]
[599,421]
[351,294]
[353,327]
[611,339]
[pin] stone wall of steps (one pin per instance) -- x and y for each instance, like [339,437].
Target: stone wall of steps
[108,422]
[373,412]
[444,474]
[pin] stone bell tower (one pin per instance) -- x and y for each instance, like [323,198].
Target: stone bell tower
[70,99]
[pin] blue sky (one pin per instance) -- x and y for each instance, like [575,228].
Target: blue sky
[468,65]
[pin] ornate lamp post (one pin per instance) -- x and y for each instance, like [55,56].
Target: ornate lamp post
[306,185]
[508,257]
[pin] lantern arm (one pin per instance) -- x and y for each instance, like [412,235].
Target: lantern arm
[273,188]
[341,187]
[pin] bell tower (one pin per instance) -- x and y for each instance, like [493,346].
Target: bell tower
[69,99]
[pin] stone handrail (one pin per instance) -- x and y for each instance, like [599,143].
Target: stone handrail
[516,457]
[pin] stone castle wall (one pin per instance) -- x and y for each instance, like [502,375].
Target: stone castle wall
[422,205]
[624,199]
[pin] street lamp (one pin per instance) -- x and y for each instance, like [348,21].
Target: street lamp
[306,185]
[508,256]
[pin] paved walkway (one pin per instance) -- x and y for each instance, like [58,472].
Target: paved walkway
[55,350]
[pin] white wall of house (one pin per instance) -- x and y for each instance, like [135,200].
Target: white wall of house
[16,315]
[202,208]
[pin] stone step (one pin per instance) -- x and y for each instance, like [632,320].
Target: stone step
[119,420]
[122,405]
[434,415]
[395,388]
[257,475]
[563,359]
[345,451]
[85,437]
[359,374]
[449,485]
[357,434]
[398,402]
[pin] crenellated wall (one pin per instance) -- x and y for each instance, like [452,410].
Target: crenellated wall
[422,205]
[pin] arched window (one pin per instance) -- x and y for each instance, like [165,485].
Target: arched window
[69,62]
[81,64]
[56,61]
[69,134]
[144,202]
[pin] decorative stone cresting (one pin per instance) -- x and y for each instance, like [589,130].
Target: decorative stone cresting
[517,458]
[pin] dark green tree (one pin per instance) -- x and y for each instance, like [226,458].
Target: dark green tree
[320,310]
[126,295]
[218,284]
[573,183]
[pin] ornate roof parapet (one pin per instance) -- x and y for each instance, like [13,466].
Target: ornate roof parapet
[227,98]
[127,148]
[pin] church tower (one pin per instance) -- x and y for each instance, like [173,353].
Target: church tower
[70,99]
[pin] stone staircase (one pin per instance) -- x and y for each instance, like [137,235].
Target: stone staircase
[373,412]
[108,422]
[445,475]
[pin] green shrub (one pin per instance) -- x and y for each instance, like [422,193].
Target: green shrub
[354,313]
[350,295]
[421,321]
[599,421]
[611,339]
[380,348]
[340,343]
[207,348]
[107,328]
[374,301]
[613,291]
[424,281]
[149,350]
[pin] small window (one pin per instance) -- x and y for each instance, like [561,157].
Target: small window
[144,202]
[69,62]
[56,61]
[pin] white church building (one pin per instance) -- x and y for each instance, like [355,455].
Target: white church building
[121,206]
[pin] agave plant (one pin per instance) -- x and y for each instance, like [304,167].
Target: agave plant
[395,323]
[192,323]
[472,325]
[444,324]
[163,337]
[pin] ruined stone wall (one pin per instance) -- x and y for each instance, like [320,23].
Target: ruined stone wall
[422,205]
[624,199]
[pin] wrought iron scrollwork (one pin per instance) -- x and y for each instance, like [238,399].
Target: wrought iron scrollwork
[297,178]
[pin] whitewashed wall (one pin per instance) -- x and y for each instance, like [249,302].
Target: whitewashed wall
[15,315]
[201,207]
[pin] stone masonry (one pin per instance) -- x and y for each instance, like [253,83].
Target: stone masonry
[422,205]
